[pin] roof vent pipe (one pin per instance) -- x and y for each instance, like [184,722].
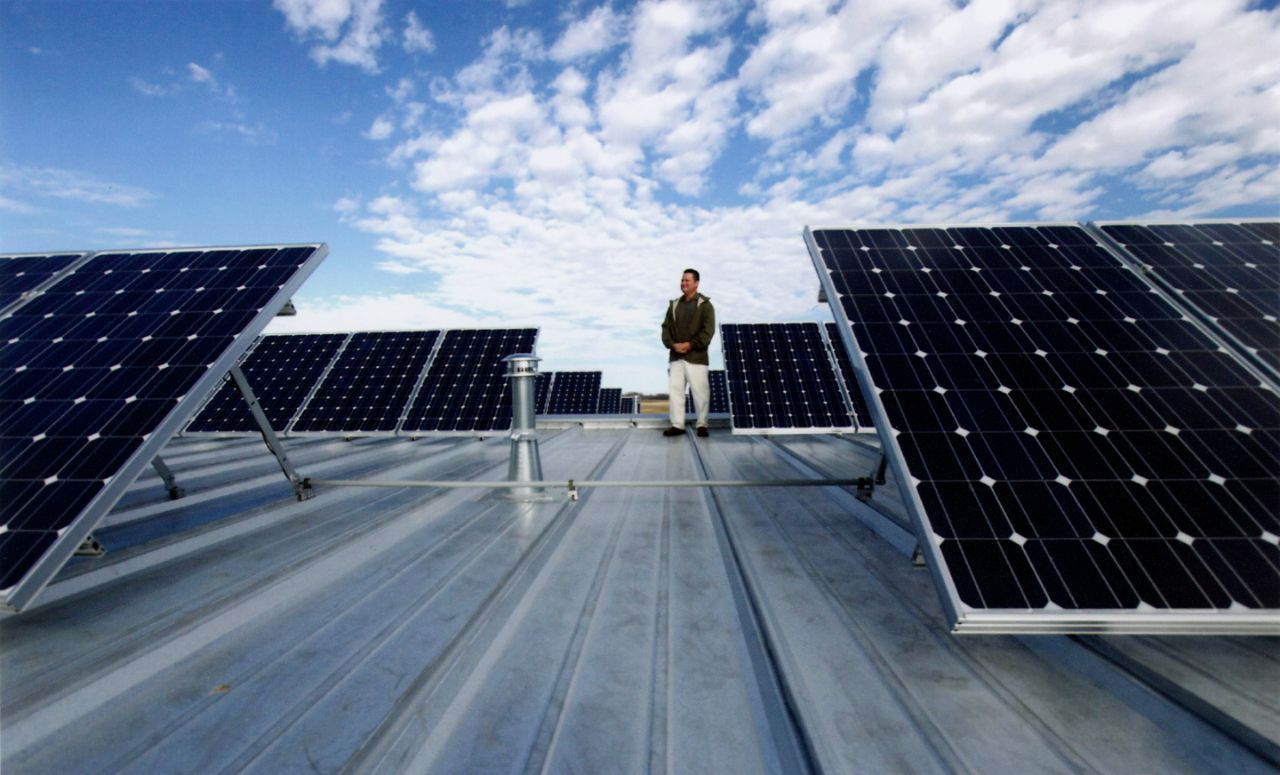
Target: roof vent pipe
[524,464]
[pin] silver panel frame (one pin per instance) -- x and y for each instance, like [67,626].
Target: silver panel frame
[48,282]
[1154,276]
[25,590]
[961,618]
[812,431]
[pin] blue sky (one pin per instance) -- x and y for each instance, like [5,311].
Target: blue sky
[488,163]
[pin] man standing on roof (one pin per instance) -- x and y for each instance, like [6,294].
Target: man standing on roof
[686,333]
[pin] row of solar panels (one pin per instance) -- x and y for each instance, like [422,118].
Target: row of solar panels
[1084,421]
[373,383]
[579,393]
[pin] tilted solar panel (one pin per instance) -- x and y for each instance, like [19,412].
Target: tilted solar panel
[719,394]
[574,392]
[781,380]
[540,393]
[1230,272]
[283,370]
[101,368]
[631,404]
[23,273]
[610,401]
[1078,454]
[861,416]
[465,389]
[368,387]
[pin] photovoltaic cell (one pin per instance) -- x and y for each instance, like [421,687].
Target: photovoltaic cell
[465,389]
[719,394]
[540,393]
[610,401]
[99,369]
[1078,452]
[861,416]
[282,369]
[780,379]
[21,274]
[369,385]
[631,404]
[574,392]
[1228,271]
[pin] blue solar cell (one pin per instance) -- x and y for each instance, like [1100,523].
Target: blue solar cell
[780,378]
[369,384]
[1229,272]
[540,394]
[610,401]
[20,274]
[574,392]
[465,389]
[1072,442]
[282,369]
[860,414]
[99,368]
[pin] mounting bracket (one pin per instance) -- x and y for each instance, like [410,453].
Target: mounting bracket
[301,487]
[170,481]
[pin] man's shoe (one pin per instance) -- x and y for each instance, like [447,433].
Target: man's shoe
[702,432]
[673,431]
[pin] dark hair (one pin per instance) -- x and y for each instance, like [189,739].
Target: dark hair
[694,272]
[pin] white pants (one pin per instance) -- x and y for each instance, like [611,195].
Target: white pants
[696,375]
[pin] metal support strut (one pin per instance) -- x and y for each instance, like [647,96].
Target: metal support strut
[170,481]
[301,487]
[867,484]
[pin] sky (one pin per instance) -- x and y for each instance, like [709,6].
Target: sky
[487,163]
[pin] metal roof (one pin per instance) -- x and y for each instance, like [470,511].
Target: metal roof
[725,630]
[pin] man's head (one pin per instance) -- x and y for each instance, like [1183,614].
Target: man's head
[689,282]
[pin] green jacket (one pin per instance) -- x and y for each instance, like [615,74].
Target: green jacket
[698,329]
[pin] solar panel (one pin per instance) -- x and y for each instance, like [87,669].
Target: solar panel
[98,370]
[781,380]
[541,391]
[1077,453]
[631,404]
[1229,272]
[283,370]
[574,392]
[860,414]
[465,389]
[370,383]
[23,273]
[610,401]
[719,394]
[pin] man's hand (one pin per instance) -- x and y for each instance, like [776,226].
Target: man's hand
[682,347]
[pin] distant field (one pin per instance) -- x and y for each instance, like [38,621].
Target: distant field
[653,406]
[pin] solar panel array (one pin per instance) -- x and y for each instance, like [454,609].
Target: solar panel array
[101,367]
[541,391]
[466,388]
[631,404]
[1077,452]
[1230,272]
[574,392]
[283,370]
[610,401]
[781,379]
[719,394]
[21,274]
[375,382]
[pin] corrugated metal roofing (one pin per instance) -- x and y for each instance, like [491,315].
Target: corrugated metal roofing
[635,630]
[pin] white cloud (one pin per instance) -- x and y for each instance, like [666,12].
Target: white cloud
[57,183]
[350,31]
[597,32]
[381,129]
[149,89]
[252,134]
[417,39]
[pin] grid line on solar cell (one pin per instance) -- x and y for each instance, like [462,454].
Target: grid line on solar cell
[780,379]
[465,389]
[25,273]
[844,372]
[367,388]
[719,393]
[574,392]
[1228,271]
[284,371]
[97,371]
[610,401]
[1069,440]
